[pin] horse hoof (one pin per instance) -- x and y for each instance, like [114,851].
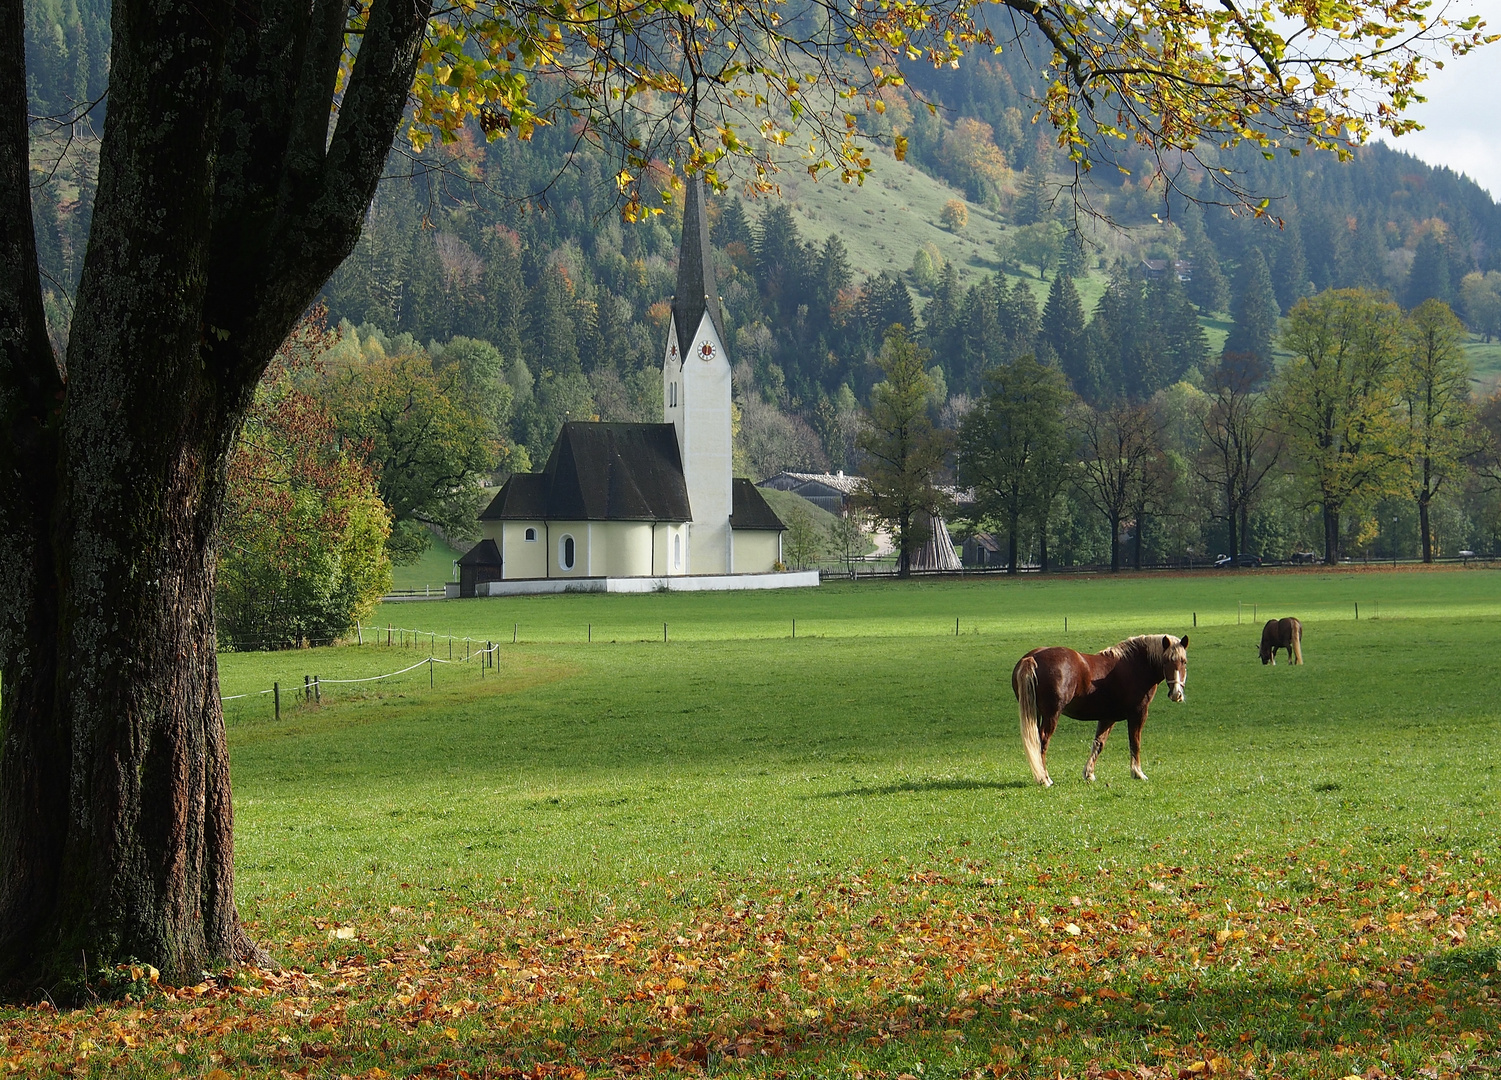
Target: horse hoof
[1047,781]
[1140,775]
[1089,777]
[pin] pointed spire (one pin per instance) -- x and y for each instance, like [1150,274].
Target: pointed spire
[697,294]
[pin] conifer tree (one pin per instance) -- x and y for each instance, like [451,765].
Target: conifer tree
[1428,277]
[503,315]
[884,302]
[1254,310]
[733,227]
[1292,267]
[940,318]
[1035,203]
[422,308]
[902,450]
[1206,285]
[1169,339]
[832,278]
[1072,259]
[550,317]
[781,261]
[1062,329]
[1018,320]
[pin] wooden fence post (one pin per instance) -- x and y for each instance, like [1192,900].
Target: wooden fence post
[276,697]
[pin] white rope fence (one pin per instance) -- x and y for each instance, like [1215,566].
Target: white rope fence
[312,684]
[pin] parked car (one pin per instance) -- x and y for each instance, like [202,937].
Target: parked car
[1243,559]
[1300,557]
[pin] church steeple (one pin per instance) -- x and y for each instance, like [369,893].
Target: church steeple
[697,294]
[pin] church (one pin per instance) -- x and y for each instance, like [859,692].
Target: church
[635,507]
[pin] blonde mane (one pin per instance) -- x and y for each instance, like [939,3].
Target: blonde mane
[1151,645]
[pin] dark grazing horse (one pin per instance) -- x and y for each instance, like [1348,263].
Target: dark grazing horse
[1117,684]
[1282,634]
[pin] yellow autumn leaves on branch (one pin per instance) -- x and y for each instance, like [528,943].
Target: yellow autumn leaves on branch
[733,87]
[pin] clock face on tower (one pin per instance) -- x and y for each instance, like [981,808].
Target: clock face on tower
[706,351]
[672,353]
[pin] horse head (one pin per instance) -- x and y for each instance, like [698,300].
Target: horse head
[1175,665]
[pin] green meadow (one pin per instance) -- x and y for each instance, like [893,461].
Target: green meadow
[743,852]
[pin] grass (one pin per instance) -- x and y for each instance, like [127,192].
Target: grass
[787,504]
[432,569]
[1485,361]
[738,852]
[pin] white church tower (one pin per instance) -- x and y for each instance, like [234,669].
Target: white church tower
[696,394]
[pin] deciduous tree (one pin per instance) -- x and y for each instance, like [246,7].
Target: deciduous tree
[429,442]
[1336,400]
[1010,441]
[1241,448]
[302,554]
[1119,445]
[1435,382]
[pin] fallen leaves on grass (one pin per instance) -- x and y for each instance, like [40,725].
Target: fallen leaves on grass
[1296,966]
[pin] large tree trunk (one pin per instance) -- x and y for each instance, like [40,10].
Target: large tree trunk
[222,207]
[1115,544]
[1425,529]
[1331,534]
[1011,567]
[1042,546]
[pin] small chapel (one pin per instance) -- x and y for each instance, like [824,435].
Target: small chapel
[625,507]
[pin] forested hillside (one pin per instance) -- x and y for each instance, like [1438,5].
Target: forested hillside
[973,242]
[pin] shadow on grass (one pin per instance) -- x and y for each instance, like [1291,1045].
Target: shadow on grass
[920,786]
[1156,1032]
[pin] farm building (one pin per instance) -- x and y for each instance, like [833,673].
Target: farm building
[623,507]
[827,491]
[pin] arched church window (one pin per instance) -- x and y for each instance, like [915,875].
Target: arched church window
[531,536]
[677,552]
[565,553]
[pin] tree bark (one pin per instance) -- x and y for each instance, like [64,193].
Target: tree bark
[1331,534]
[1011,567]
[222,207]
[1423,527]
[1230,518]
[1115,544]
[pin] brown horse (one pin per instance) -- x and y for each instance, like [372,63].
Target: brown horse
[1282,634]
[1117,684]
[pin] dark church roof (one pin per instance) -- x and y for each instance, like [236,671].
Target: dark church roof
[601,472]
[697,294]
[750,510]
[484,553]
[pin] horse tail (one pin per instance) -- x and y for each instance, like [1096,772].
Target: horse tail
[1297,642]
[1024,683]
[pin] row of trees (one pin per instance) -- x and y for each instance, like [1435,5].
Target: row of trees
[1371,413]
